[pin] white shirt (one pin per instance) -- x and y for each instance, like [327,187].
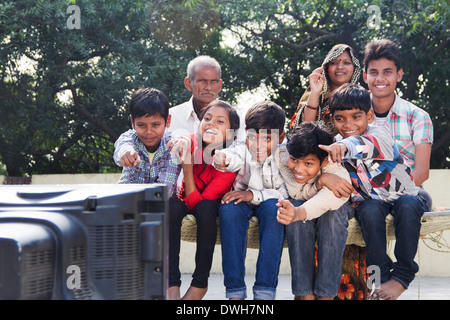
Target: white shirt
[184,120]
[263,179]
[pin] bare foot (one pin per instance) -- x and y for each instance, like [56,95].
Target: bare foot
[306,297]
[173,293]
[324,298]
[194,293]
[389,290]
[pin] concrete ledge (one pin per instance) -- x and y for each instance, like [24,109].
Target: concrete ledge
[433,263]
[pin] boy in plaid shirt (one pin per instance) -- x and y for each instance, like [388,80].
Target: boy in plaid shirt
[409,126]
[142,150]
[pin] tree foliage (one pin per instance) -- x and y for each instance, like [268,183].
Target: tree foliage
[287,39]
[64,92]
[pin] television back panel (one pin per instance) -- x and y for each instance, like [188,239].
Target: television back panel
[111,239]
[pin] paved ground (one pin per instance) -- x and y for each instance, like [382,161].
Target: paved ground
[423,288]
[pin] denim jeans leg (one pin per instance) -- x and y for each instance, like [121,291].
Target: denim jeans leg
[371,215]
[234,222]
[271,236]
[301,237]
[407,212]
[331,240]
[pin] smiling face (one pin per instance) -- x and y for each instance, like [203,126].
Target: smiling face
[340,70]
[214,126]
[306,168]
[382,77]
[352,122]
[260,145]
[150,130]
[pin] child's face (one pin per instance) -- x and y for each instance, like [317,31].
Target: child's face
[382,77]
[340,70]
[352,122]
[260,145]
[306,168]
[150,130]
[214,126]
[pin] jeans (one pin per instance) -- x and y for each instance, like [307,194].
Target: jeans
[329,231]
[407,211]
[234,223]
[206,217]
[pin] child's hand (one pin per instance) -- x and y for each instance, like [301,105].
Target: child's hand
[221,161]
[130,158]
[316,80]
[239,196]
[181,148]
[287,213]
[339,186]
[336,151]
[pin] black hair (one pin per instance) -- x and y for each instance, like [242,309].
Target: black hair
[348,97]
[305,140]
[265,115]
[233,117]
[383,48]
[149,101]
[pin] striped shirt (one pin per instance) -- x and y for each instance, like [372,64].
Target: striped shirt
[409,126]
[376,167]
[163,169]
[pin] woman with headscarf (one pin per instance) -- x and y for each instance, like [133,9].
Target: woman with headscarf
[340,66]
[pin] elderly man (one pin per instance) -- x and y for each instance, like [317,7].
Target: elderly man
[204,81]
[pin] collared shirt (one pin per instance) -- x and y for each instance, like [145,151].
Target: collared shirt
[409,126]
[164,168]
[184,121]
[376,167]
[263,179]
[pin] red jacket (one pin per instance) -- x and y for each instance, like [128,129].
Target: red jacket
[209,182]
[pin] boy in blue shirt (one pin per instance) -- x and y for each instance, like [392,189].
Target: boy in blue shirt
[142,150]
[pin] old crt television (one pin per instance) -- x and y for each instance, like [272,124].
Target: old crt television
[68,242]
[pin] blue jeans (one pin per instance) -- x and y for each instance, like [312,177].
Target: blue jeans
[234,223]
[407,211]
[330,232]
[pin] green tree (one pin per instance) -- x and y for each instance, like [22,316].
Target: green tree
[64,91]
[64,88]
[287,39]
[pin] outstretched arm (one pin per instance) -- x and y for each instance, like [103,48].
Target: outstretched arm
[336,151]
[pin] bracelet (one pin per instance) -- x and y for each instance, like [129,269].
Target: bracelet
[313,108]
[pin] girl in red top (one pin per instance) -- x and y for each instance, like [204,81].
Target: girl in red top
[201,191]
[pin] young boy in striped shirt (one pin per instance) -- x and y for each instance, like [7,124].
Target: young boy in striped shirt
[384,185]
